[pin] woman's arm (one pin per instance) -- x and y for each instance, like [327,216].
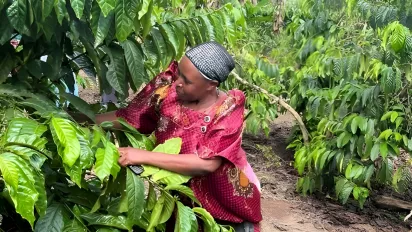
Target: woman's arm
[186,164]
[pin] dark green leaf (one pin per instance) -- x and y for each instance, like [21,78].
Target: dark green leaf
[74,225]
[103,27]
[218,27]
[17,14]
[116,75]
[171,37]
[207,29]
[80,105]
[135,62]
[6,66]
[136,198]
[146,20]
[6,31]
[160,45]
[78,7]
[346,192]
[53,221]
[47,7]
[106,220]
[61,10]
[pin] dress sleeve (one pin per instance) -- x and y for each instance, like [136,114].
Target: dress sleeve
[142,112]
[224,138]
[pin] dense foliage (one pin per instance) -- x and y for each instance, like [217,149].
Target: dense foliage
[350,79]
[59,175]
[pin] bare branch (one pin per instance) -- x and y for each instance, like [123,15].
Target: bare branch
[280,102]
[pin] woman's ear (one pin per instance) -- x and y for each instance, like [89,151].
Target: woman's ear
[212,85]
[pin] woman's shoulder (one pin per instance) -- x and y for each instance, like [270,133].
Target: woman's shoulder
[233,105]
[236,96]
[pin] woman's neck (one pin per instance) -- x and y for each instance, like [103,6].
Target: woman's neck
[205,103]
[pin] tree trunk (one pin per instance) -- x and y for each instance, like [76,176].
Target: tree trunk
[278,17]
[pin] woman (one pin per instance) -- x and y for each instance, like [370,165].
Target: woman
[184,101]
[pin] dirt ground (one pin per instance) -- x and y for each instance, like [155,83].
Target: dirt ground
[285,210]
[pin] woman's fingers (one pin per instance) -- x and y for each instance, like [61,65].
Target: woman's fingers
[123,161]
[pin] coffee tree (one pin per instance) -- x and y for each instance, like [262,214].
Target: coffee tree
[58,175]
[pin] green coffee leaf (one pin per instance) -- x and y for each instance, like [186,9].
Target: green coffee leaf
[116,75]
[135,197]
[208,221]
[53,220]
[185,190]
[107,161]
[78,7]
[123,20]
[19,180]
[95,219]
[64,135]
[186,219]
[135,62]
[17,14]
[106,6]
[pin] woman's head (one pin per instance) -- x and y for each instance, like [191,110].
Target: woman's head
[202,69]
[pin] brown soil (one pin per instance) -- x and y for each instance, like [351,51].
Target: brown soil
[285,210]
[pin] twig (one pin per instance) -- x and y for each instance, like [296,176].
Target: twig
[280,102]
[408,216]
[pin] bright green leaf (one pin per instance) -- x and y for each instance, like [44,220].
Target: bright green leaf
[186,219]
[64,135]
[107,6]
[123,20]
[383,150]
[208,221]
[19,179]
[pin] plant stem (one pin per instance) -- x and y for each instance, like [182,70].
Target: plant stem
[280,102]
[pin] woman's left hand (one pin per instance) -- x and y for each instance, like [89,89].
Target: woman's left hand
[130,156]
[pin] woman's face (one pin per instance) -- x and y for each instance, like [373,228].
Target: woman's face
[191,85]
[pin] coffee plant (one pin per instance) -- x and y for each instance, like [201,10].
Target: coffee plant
[59,175]
[350,80]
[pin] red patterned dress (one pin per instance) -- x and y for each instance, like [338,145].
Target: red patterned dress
[232,192]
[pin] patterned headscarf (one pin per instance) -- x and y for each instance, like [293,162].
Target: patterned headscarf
[212,60]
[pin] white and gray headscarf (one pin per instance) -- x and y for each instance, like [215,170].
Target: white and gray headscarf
[212,60]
